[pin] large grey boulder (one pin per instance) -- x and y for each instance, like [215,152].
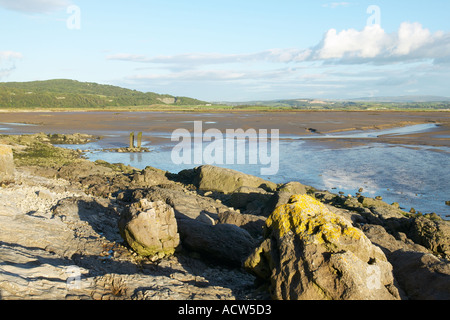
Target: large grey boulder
[312,254]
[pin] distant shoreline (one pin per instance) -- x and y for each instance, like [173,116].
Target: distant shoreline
[209,109]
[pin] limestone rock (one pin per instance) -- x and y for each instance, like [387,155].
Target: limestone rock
[6,164]
[150,228]
[312,254]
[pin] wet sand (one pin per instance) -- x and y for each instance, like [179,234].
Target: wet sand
[289,123]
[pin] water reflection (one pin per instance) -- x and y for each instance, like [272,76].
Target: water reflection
[138,156]
[348,182]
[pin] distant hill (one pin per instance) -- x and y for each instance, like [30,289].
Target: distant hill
[404,99]
[376,103]
[63,93]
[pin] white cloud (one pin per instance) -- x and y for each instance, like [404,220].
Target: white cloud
[411,37]
[410,43]
[7,62]
[35,6]
[333,5]
[192,75]
[365,44]
[194,59]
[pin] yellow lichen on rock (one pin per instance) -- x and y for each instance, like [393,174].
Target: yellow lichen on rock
[311,221]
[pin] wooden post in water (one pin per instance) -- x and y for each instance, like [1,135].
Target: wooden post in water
[131,140]
[139,140]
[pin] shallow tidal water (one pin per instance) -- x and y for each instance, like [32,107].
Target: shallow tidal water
[414,176]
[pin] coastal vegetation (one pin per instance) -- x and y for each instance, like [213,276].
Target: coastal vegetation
[73,94]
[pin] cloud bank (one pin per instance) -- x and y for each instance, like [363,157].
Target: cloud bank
[372,45]
[343,64]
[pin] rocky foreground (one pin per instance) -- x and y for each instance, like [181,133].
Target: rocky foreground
[75,229]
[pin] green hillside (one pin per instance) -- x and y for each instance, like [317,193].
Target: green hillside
[74,94]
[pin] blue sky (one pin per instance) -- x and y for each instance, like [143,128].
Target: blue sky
[232,50]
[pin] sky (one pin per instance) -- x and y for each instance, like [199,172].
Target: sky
[229,50]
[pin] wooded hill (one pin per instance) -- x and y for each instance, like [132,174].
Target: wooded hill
[74,94]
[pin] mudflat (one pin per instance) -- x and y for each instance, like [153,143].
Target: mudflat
[301,123]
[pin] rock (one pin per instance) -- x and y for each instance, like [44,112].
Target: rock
[75,138]
[6,164]
[379,212]
[293,187]
[253,224]
[283,195]
[70,248]
[311,253]
[150,228]
[44,194]
[210,178]
[222,243]
[432,234]
[419,274]
[422,276]
[97,212]
[388,243]
[186,205]
[251,200]
[82,169]
[150,177]
[381,209]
